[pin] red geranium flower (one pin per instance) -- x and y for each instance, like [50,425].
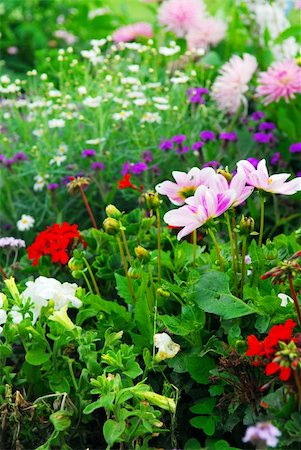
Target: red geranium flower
[57,241]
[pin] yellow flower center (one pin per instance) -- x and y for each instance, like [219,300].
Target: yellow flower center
[187,192]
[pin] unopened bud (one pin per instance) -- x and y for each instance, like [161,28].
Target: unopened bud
[163,293]
[246,225]
[75,264]
[142,254]
[226,174]
[113,212]
[270,251]
[152,200]
[111,226]
[133,273]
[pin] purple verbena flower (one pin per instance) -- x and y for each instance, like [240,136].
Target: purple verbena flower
[166,144]
[9,162]
[156,170]
[88,153]
[19,156]
[138,168]
[214,164]
[263,138]
[179,138]
[275,158]
[52,186]
[230,137]
[147,156]
[207,135]
[267,126]
[181,149]
[125,168]
[197,145]
[253,161]
[2,158]
[257,115]
[295,148]
[196,95]
[97,165]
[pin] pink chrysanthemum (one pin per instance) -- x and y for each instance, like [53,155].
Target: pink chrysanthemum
[282,80]
[210,31]
[180,16]
[131,32]
[230,86]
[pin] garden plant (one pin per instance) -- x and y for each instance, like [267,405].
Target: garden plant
[150,225]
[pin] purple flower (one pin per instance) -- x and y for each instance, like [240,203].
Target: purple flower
[207,135]
[257,115]
[52,186]
[231,137]
[298,174]
[156,170]
[196,95]
[179,138]
[253,161]
[97,165]
[262,435]
[125,168]
[266,126]
[2,158]
[66,179]
[181,149]
[275,158]
[263,138]
[147,156]
[88,153]
[9,162]
[166,144]
[138,168]
[197,145]
[20,156]
[214,164]
[296,147]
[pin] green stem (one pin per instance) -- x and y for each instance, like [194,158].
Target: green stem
[262,199]
[92,276]
[87,282]
[212,235]
[87,207]
[230,232]
[159,244]
[235,240]
[194,242]
[243,264]
[294,297]
[70,361]
[125,245]
[122,255]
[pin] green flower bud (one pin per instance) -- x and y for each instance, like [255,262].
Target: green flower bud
[246,225]
[152,200]
[226,174]
[75,264]
[113,212]
[142,254]
[111,226]
[133,273]
[163,293]
[270,252]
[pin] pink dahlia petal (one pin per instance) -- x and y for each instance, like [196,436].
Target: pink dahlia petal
[179,16]
[131,32]
[210,31]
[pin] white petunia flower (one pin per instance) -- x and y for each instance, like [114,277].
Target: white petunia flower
[285,299]
[82,90]
[40,182]
[58,159]
[25,223]
[166,347]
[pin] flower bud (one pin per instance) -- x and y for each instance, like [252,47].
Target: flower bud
[152,200]
[142,254]
[62,317]
[246,225]
[111,226]
[163,293]
[75,264]
[226,174]
[113,212]
[133,273]
[270,252]
[159,400]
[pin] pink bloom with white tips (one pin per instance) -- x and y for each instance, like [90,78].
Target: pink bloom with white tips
[282,80]
[129,33]
[260,178]
[203,206]
[186,184]
[180,16]
[238,185]
[231,85]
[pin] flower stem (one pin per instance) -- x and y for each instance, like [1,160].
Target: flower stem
[298,384]
[159,244]
[243,264]
[123,259]
[194,242]
[91,276]
[5,276]
[87,282]
[262,199]
[125,245]
[88,207]
[212,235]
[295,298]
[230,232]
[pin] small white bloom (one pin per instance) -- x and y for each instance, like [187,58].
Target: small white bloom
[5,79]
[166,347]
[130,80]
[161,107]
[92,102]
[97,12]
[169,51]
[58,159]
[248,259]
[25,223]
[54,93]
[63,148]
[40,182]
[56,123]
[135,94]
[155,85]
[123,115]
[95,141]
[151,118]
[3,316]
[140,101]
[16,316]
[133,68]
[98,42]
[82,90]
[182,79]
[285,299]
[162,100]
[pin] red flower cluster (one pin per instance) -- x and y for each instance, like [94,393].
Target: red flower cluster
[125,183]
[264,351]
[55,241]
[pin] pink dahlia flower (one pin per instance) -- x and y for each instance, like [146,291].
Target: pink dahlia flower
[231,85]
[210,31]
[186,184]
[237,186]
[260,178]
[203,206]
[180,16]
[131,32]
[282,80]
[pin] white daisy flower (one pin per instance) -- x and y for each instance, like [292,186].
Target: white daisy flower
[25,223]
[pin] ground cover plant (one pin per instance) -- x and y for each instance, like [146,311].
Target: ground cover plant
[150,238]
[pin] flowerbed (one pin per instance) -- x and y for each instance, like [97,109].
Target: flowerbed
[150,234]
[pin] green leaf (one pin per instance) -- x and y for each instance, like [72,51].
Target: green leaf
[192,444]
[204,422]
[133,370]
[123,287]
[293,31]
[142,315]
[58,383]
[112,431]
[37,356]
[5,351]
[205,406]
[212,59]
[212,295]
[103,402]
[61,420]
[199,367]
